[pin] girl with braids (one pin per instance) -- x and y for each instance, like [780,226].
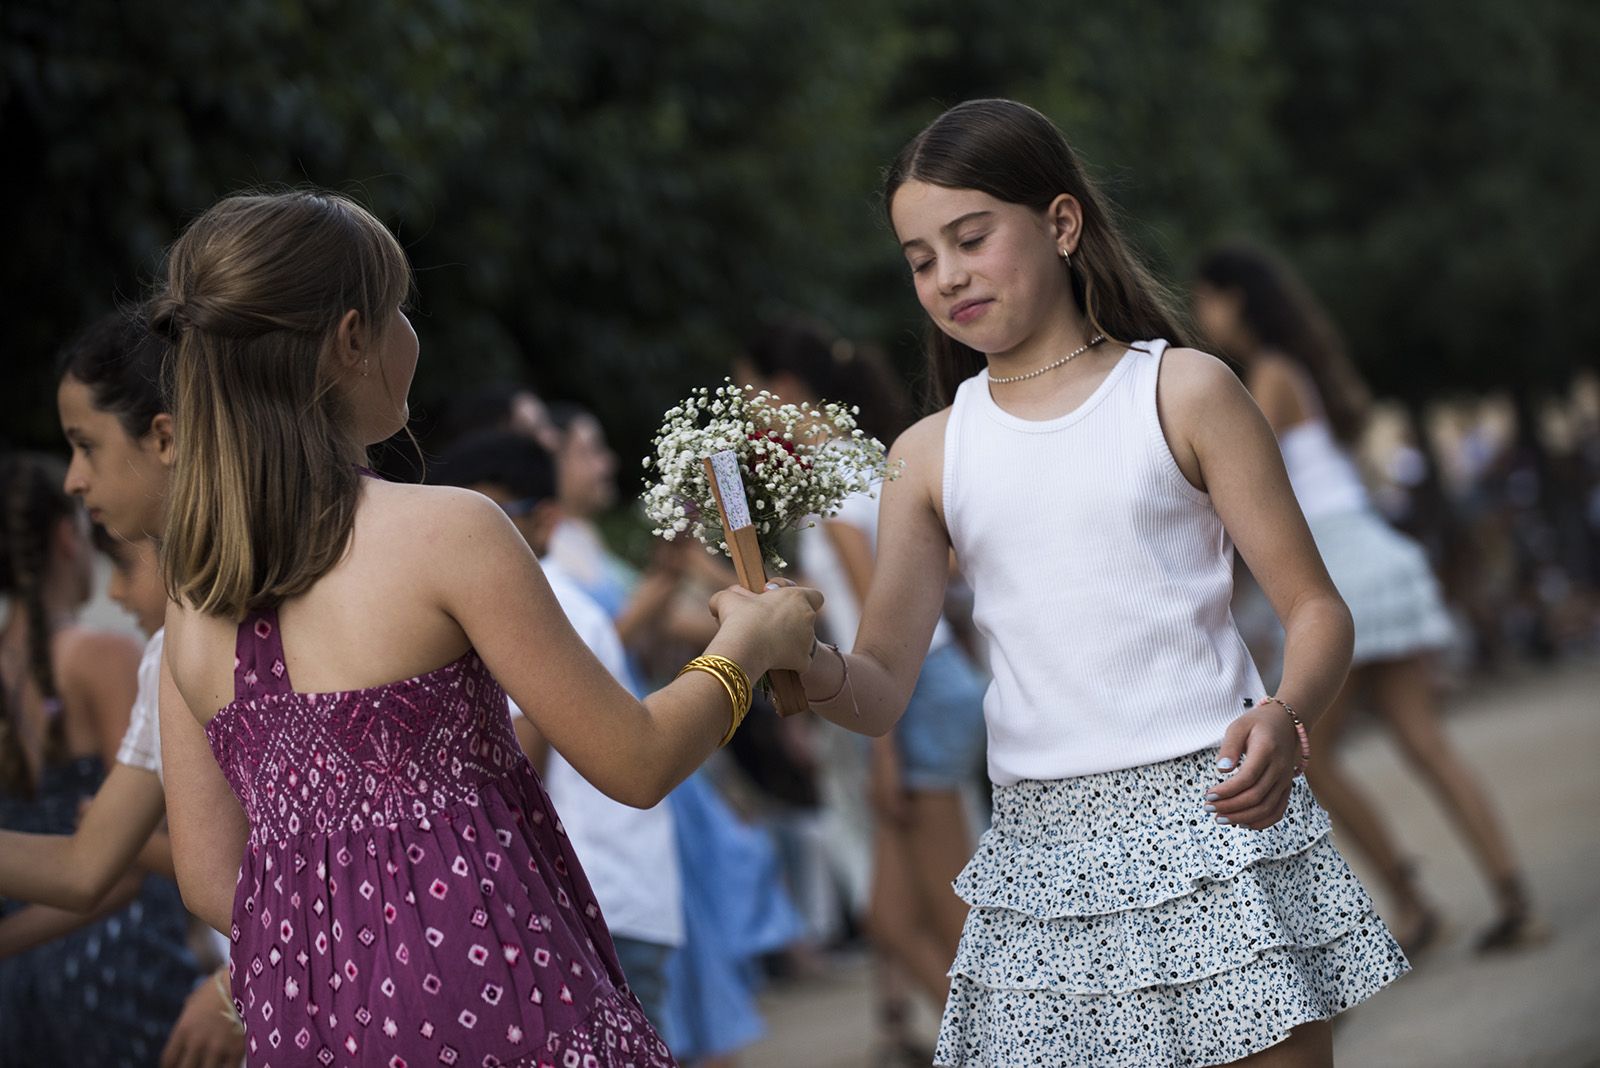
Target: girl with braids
[1157,887]
[346,795]
[1256,310]
[108,993]
[114,418]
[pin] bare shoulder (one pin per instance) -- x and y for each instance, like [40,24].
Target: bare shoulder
[90,651]
[1282,389]
[435,535]
[1195,386]
[921,449]
[96,672]
[1191,375]
[930,428]
[427,515]
[1274,370]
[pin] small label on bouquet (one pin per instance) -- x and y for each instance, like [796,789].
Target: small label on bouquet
[730,484]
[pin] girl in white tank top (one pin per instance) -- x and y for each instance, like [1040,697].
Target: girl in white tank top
[1158,887]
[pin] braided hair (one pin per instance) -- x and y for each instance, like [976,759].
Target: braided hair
[31,504]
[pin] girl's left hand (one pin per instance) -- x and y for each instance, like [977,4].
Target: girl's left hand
[204,1036]
[1257,794]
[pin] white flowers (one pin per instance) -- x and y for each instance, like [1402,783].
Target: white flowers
[797,463]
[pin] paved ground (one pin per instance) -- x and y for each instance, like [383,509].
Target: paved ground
[1535,737]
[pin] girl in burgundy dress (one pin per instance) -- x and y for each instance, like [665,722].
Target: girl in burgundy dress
[331,698]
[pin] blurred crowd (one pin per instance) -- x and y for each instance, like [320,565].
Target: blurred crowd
[1505,500]
[1506,496]
[801,844]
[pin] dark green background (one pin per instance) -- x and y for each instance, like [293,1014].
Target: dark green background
[602,196]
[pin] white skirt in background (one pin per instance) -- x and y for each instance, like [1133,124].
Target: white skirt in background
[1385,578]
[1113,922]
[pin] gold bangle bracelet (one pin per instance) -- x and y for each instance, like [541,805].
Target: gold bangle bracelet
[733,680]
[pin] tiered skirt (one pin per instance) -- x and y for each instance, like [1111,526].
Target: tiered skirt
[1113,922]
[1385,578]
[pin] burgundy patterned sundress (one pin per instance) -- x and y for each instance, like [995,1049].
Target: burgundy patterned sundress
[407,896]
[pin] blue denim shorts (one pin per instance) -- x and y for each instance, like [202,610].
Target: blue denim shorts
[941,737]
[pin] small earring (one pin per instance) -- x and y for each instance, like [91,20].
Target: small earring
[363,368]
[1067,257]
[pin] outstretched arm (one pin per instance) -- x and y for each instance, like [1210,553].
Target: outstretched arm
[905,599]
[635,752]
[38,924]
[75,871]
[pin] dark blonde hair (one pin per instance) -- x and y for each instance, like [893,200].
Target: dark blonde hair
[264,483]
[1013,153]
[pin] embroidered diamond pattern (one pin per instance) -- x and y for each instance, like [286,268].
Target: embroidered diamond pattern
[359,803]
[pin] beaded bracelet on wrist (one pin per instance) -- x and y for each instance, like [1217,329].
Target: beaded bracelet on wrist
[1299,729]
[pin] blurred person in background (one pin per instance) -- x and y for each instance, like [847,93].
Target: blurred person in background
[921,837]
[108,992]
[1254,309]
[735,905]
[69,870]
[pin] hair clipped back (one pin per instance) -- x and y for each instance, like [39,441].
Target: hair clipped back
[120,360]
[1015,154]
[264,484]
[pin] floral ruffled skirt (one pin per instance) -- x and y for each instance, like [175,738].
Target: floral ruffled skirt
[1114,923]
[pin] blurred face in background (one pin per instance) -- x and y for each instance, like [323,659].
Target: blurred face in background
[136,583]
[586,469]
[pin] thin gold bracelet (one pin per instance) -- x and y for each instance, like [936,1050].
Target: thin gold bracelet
[733,679]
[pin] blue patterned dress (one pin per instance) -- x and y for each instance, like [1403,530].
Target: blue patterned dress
[108,993]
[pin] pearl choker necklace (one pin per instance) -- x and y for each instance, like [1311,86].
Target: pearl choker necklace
[1068,358]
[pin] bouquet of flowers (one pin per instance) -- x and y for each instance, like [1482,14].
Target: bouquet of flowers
[798,464]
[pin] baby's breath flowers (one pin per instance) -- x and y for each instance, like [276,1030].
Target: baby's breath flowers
[799,463]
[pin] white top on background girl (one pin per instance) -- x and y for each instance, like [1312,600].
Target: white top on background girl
[1092,489]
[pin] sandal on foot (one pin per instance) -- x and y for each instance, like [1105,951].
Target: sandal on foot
[1422,936]
[1515,929]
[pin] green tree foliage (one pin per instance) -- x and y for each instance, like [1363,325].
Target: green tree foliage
[1441,192]
[603,197]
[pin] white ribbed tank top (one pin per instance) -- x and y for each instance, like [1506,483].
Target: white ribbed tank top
[1101,578]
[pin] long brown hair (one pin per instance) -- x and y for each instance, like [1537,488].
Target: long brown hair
[264,482]
[32,503]
[1282,315]
[1013,153]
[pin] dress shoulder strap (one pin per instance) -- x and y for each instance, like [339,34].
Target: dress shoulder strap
[258,666]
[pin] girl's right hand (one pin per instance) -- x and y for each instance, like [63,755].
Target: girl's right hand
[775,628]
